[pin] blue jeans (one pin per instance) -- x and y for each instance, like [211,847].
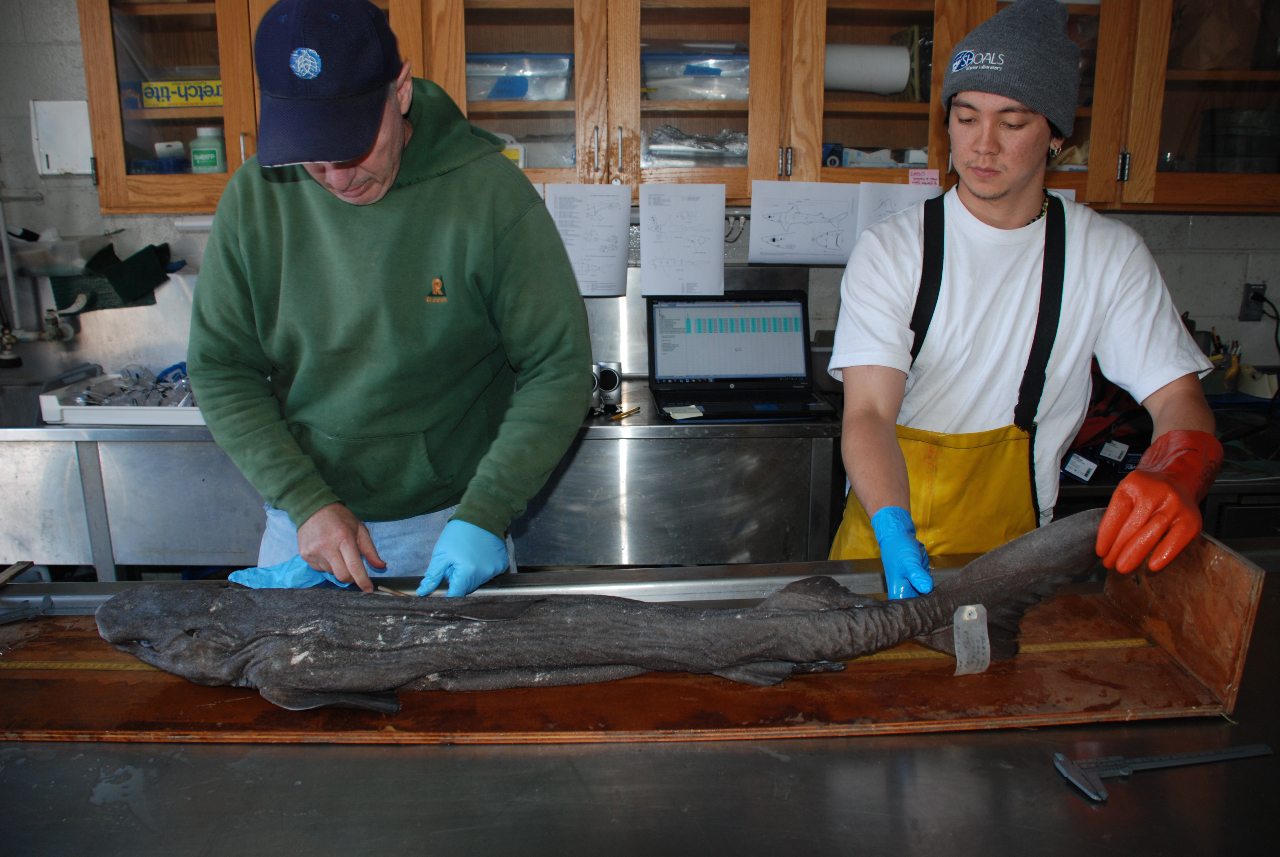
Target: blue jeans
[405,546]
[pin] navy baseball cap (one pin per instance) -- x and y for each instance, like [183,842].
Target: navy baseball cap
[323,70]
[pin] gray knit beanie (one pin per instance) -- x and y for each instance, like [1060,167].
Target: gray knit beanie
[1023,53]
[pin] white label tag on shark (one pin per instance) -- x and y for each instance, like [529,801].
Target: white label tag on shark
[973,647]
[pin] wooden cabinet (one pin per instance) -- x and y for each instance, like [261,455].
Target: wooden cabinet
[570,133]
[156,73]
[1142,104]
[1205,124]
[197,58]
[611,113]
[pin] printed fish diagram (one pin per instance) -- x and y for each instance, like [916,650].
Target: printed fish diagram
[802,223]
[682,239]
[816,223]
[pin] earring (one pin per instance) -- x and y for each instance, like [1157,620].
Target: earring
[1055,151]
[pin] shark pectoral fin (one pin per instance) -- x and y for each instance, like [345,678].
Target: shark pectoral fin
[761,674]
[813,593]
[302,700]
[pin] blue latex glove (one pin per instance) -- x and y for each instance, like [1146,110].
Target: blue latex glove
[906,562]
[290,574]
[467,556]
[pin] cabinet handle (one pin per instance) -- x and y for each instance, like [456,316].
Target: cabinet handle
[595,148]
[242,157]
[620,169]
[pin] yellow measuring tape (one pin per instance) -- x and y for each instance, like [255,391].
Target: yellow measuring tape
[915,655]
[1023,649]
[75,665]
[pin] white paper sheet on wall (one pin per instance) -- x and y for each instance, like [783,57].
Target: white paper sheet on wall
[803,223]
[682,239]
[594,222]
[877,201]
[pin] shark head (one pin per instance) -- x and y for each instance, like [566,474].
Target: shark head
[186,629]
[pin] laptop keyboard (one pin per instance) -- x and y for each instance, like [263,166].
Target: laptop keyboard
[797,397]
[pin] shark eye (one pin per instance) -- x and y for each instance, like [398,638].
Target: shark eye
[146,644]
[192,632]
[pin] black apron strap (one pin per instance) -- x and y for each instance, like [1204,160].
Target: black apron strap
[1051,276]
[930,273]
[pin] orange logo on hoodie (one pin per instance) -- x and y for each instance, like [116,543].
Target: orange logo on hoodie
[437,295]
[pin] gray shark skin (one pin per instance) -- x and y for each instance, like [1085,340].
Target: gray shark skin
[312,648]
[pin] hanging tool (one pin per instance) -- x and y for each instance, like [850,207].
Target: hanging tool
[1087,774]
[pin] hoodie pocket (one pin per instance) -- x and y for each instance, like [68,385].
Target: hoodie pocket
[391,468]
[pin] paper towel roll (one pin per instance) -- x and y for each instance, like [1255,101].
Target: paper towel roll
[882,69]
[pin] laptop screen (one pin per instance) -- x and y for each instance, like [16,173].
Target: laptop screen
[710,340]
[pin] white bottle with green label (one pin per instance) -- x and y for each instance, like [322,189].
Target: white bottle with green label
[208,151]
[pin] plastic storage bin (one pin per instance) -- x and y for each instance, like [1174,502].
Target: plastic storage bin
[518,77]
[691,77]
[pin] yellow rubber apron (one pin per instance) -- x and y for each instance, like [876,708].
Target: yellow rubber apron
[971,493]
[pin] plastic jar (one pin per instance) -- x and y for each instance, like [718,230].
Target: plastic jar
[208,151]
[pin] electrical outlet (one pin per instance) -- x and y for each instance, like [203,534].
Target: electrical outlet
[1251,310]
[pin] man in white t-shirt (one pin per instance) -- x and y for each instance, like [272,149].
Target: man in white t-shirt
[967,326]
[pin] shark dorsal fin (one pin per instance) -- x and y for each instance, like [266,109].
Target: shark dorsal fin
[813,593]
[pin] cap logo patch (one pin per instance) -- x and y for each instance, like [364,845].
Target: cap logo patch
[963,59]
[305,63]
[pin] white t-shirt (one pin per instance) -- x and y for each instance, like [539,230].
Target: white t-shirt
[966,378]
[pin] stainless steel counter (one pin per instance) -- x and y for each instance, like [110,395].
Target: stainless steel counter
[638,491]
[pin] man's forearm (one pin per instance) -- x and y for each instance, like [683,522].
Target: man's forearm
[874,463]
[869,443]
[1179,405]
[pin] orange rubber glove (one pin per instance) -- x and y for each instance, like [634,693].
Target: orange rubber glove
[1155,509]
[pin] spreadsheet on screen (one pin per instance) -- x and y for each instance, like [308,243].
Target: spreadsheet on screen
[698,340]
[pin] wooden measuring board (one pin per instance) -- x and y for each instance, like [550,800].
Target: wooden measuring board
[1150,646]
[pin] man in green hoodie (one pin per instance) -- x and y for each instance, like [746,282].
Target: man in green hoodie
[387,337]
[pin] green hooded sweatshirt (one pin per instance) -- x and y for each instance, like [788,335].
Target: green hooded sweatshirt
[400,357]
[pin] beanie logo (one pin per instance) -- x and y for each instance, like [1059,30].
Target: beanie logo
[305,63]
[971,61]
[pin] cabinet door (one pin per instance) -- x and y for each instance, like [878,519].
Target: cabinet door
[533,70]
[893,122]
[1205,129]
[155,74]
[695,92]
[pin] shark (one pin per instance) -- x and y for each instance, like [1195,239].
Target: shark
[312,648]
[793,216]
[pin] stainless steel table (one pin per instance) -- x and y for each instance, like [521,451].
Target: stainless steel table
[638,491]
[646,490]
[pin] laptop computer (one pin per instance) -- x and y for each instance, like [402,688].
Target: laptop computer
[737,356]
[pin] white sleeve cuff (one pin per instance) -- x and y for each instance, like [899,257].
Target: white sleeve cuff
[888,359]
